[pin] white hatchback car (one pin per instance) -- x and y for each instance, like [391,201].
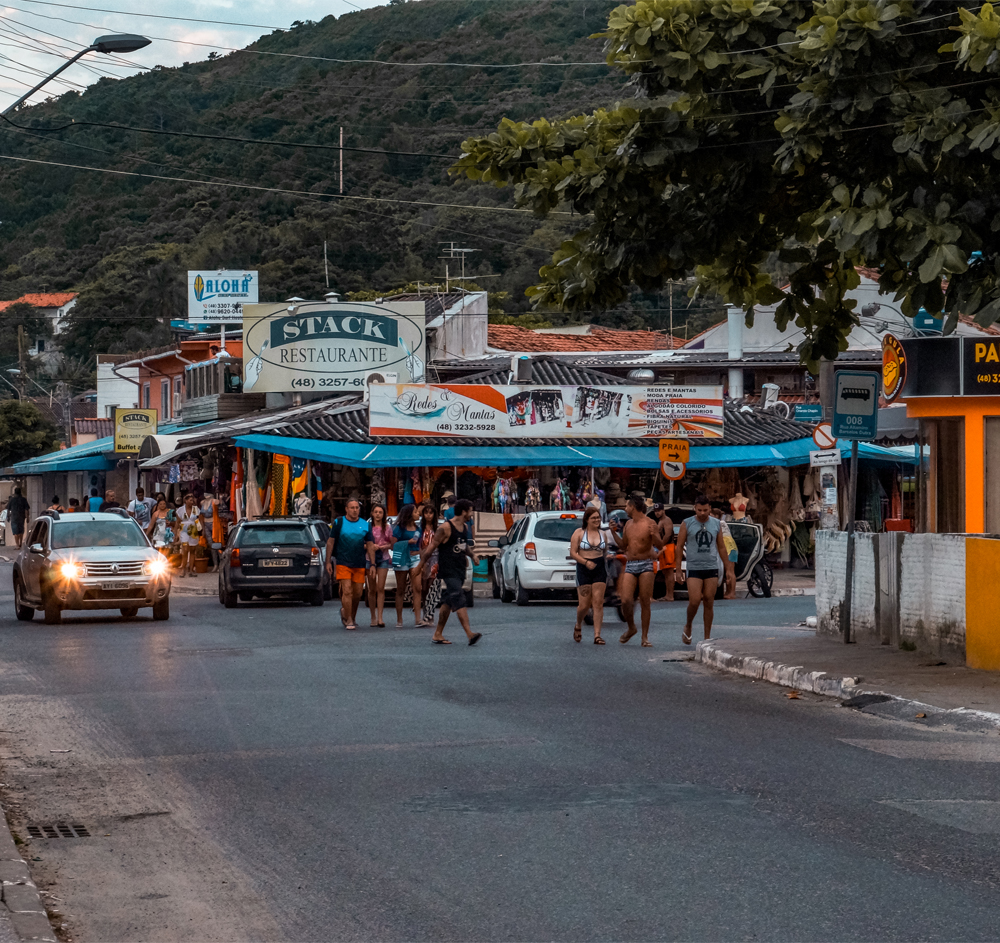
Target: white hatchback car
[534,557]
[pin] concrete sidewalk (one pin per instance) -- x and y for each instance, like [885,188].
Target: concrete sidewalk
[827,666]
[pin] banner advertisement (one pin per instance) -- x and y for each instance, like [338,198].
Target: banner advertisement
[218,297]
[316,345]
[131,428]
[534,412]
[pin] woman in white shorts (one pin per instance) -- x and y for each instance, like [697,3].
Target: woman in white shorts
[191,524]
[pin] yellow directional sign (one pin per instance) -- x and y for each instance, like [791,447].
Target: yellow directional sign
[675,450]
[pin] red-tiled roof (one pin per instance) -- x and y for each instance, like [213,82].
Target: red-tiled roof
[513,338]
[54,299]
[971,322]
[94,426]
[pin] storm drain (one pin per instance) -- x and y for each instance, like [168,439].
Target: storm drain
[58,830]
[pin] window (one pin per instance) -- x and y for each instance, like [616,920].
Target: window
[164,399]
[70,535]
[145,396]
[556,528]
[38,534]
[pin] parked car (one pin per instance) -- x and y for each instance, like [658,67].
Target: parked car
[534,557]
[268,557]
[89,561]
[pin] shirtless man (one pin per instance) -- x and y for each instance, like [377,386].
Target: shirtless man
[638,538]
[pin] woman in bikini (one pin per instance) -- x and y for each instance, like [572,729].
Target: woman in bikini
[588,547]
[383,539]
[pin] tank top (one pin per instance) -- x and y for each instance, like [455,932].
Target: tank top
[452,555]
[701,545]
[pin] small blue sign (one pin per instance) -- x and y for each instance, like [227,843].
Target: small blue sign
[855,406]
[809,412]
[927,323]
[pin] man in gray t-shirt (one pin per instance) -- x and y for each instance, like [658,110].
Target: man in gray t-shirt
[701,538]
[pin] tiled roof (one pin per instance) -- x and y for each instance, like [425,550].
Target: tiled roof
[349,423]
[42,300]
[544,370]
[98,427]
[971,322]
[522,339]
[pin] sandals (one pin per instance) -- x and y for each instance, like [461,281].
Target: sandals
[686,638]
[577,633]
[599,641]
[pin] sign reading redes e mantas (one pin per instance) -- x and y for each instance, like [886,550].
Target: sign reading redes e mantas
[322,346]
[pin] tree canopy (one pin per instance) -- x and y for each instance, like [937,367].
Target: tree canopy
[807,136]
[24,432]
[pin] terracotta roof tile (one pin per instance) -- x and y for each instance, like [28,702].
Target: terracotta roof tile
[993,329]
[522,339]
[42,299]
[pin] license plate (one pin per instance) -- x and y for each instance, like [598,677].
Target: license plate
[121,584]
[280,561]
[567,577]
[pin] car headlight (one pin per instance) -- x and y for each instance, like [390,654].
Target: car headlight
[73,571]
[157,567]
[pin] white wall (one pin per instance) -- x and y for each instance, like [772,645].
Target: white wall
[461,333]
[113,390]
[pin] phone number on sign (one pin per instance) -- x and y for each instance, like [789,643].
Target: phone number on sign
[309,383]
[988,378]
[465,427]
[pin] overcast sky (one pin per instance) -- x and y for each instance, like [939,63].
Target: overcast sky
[35,37]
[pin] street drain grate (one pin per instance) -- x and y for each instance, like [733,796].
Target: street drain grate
[58,830]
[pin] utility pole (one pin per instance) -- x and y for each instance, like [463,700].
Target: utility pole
[341,167]
[326,263]
[20,358]
[671,290]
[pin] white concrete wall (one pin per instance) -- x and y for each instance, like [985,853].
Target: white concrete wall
[931,581]
[113,390]
[462,332]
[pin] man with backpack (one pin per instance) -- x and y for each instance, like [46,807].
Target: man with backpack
[451,541]
[352,544]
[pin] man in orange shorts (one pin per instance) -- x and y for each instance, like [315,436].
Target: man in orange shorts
[353,546]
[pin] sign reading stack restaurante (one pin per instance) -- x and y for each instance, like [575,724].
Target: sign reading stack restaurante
[321,346]
[131,428]
[550,412]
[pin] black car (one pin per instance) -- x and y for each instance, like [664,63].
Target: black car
[269,557]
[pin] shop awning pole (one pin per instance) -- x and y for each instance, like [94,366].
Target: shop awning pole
[851,511]
[454,474]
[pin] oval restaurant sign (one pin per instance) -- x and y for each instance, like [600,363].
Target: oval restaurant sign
[893,367]
[131,428]
[321,346]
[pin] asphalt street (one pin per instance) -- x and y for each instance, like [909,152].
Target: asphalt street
[263,774]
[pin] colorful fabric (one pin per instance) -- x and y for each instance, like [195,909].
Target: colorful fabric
[300,474]
[356,574]
[281,473]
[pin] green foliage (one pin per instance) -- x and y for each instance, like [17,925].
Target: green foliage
[24,432]
[126,242]
[824,135]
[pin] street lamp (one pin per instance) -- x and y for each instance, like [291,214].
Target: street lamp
[114,43]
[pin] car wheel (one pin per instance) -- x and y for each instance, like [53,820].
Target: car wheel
[470,598]
[314,598]
[22,610]
[505,594]
[129,612]
[228,599]
[161,610]
[53,613]
[521,596]
[496,584]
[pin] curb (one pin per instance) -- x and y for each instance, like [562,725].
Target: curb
[844,689]
[790,676]
[18,892]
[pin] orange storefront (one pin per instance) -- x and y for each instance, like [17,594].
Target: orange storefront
[952,384]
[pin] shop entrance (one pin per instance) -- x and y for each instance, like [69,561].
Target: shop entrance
[992,474]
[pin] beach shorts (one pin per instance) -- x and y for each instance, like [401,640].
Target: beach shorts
[356,574]
[454,595]
[637,567]
[383,560]
[587,577]
[703,574]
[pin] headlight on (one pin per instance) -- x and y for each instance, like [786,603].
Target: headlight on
[156,567]
[72,571]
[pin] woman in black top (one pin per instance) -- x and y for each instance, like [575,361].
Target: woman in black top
[589,546]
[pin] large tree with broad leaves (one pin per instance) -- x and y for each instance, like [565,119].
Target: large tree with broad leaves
[822,135]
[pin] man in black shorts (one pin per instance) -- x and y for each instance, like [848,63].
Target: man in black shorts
[453,549]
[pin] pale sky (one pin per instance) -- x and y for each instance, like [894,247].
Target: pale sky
[36,37]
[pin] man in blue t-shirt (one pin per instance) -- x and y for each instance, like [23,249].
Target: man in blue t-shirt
[353,546]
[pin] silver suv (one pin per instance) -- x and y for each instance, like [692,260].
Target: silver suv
[89,561]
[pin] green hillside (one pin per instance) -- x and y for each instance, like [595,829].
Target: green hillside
[126,241]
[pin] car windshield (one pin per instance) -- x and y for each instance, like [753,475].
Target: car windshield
[67,535]
[556,528]
[267,536]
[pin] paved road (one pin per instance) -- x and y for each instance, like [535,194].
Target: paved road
[264,774]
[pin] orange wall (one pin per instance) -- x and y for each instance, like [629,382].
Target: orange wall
[974,409]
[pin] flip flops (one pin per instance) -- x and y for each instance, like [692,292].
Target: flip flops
[441,641]
[475,638]
[599,641]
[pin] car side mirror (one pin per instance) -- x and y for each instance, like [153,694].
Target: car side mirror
[36,548]
[493,543]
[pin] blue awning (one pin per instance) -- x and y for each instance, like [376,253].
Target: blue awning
[362,455]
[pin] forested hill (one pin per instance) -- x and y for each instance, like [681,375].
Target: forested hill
[126,241]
